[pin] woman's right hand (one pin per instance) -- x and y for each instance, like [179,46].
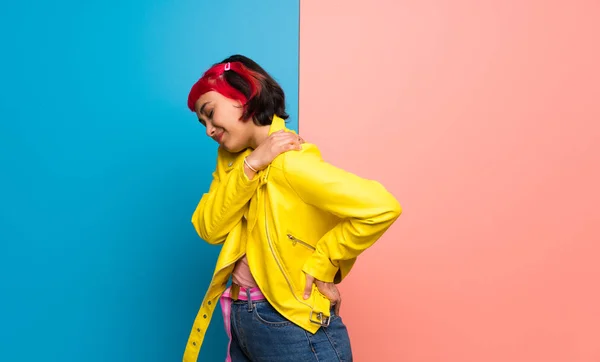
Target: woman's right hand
[276,144]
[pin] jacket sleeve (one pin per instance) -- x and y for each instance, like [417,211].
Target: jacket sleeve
[365,207]
[223,206]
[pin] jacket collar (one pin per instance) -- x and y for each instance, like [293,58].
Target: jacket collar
[277,125]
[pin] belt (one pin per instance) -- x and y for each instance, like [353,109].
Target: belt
[233,293]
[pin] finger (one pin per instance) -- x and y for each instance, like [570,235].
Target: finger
[289,140]
[280,133]
[276,135]
[308,289]
[337,307]
[337,298]
[285,145]
[328,292]
[283,140]
[288,134]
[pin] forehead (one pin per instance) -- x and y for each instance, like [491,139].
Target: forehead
[213,98]
[204,99]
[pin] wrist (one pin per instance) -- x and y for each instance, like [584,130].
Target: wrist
[250,164]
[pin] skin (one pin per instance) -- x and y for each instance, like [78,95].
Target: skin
[222,118]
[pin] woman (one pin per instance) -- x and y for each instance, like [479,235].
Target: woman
[291,225]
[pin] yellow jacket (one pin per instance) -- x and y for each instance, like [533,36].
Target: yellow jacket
[300,215]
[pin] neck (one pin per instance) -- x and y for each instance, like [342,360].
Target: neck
[260,135]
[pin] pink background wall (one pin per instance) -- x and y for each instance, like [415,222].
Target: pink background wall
[483,118]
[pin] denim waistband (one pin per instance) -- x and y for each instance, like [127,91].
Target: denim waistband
[236,292]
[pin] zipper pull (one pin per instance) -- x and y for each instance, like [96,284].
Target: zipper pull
[292,238]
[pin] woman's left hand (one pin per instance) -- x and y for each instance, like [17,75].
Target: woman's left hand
[329,290]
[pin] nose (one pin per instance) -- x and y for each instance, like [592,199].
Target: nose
[210,130]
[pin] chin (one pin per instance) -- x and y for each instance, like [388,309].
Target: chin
[232,149]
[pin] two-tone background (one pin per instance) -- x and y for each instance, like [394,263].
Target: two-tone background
[480,116]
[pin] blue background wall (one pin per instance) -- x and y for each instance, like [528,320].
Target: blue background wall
[102,166]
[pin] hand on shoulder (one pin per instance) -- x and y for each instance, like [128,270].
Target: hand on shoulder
[277,143]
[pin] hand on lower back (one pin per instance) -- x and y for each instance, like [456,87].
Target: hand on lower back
[329,290]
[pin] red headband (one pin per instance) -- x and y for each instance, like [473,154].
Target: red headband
[213,80]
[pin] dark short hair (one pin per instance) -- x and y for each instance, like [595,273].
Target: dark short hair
[239,77]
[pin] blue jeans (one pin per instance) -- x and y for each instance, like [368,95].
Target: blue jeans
[260,334]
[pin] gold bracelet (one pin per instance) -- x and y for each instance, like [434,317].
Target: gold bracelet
[250,167]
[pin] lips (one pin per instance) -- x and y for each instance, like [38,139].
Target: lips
[218,137]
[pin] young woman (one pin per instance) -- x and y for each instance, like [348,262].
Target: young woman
[291,225]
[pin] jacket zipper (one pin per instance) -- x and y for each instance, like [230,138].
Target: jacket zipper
[295,240]
[277,260]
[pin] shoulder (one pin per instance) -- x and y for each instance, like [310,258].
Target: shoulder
[294,161]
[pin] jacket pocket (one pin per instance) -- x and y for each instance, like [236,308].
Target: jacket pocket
[296,241]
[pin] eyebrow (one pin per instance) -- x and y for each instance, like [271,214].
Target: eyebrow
[202,108]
